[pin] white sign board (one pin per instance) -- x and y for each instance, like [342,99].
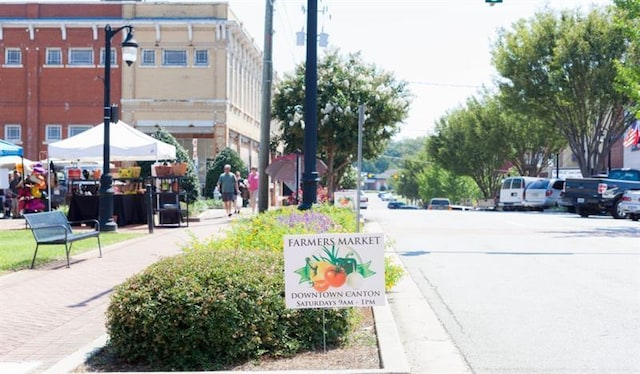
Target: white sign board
[334,270]
[345,199]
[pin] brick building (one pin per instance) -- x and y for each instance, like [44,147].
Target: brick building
[198,74]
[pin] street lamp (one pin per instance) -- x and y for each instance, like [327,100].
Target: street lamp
[129,55]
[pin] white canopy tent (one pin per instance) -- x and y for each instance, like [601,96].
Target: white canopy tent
[126,144]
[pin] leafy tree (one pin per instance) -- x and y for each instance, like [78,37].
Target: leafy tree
[408,184]
[560,70]
[396,151]
[226,156]
[532,142]
[628,78]
[473,141]
[434,181]
[344,83]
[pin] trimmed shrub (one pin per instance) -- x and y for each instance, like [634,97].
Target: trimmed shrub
[206,310]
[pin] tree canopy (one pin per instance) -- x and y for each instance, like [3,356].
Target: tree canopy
[560,69]
[473,141]
[344,83]
[628,78]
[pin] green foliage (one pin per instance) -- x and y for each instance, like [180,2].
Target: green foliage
[435,181]
[628,77]
[408,183]
[266,230]
[344,83]
[349,179]
[473,141]
[226,156]
[560,69]
[201,205]
[392,273]
[206,310]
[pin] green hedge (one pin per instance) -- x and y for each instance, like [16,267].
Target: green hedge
[206,310]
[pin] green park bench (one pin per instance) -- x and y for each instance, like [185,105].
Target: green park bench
[52,227]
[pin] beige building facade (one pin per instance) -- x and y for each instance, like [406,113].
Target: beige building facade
[198,75]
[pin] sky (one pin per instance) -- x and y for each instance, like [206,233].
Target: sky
[440,47]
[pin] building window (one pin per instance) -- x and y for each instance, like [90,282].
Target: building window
[13,56]
[148,57]
[77,129]
[202,57]
[13,133]
[54,56]
[113,56]
[53,133]
[174,57]
[80,56]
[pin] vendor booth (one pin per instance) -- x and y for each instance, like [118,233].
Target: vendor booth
[126,144]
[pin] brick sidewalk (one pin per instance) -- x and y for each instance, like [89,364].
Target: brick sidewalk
[48,313]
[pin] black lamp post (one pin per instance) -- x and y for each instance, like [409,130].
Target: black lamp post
[129,55]
[310,175]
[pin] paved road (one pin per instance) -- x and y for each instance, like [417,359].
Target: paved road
[526,292]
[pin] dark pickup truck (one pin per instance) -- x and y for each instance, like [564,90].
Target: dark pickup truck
[597,196]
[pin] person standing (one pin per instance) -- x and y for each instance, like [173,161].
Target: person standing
[14,186]
[252,180]
[228,187]
[243,192]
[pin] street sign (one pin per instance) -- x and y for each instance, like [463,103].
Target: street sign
[334,270]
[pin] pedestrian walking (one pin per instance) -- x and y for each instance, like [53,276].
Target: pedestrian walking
[252,181]
[228,187]
[242,192]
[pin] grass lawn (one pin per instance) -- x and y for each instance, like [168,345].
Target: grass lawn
[18,246]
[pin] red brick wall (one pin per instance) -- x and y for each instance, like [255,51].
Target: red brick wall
[35,95]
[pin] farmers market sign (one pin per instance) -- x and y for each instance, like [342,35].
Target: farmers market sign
[334,270]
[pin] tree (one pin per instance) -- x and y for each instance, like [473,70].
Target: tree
[560,70]
[434,181]
[473,141]
[344,83]
[226,156]
[628,78]
[532,142]
[408,184]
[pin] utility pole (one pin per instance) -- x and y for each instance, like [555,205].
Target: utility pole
[265,110]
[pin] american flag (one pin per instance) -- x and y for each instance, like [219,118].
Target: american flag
[633,136]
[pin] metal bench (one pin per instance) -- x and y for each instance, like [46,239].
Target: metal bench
[50,228]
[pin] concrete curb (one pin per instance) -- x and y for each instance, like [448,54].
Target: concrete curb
[392,357]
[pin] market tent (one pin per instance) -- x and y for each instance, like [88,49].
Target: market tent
[9,149]
[126,144]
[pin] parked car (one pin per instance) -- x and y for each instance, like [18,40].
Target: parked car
[409,206]
[386,196]
[543,194]
[601,194]
[401,205]
[630,204]
[364,202]
[439,203]
[395,204]
[512,192]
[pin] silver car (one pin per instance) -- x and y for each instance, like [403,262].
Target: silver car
[543,194]
[630,204]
